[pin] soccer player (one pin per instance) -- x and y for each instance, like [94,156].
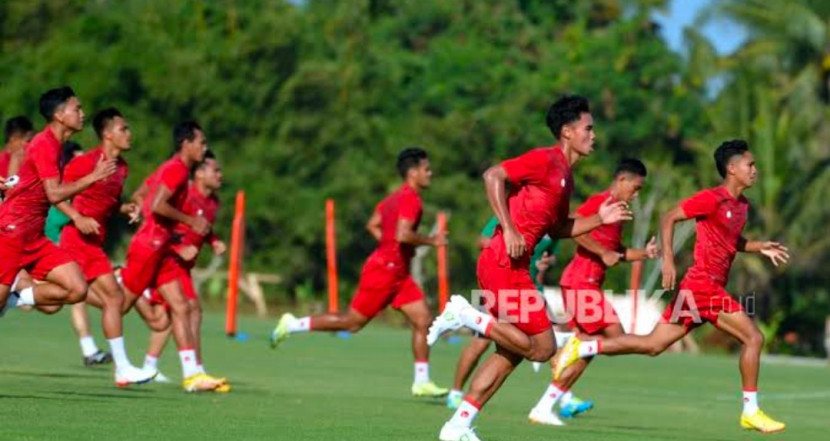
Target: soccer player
[90,211]
[177,265]
[162,210]
[385,278]
[537,204]
[720,215]
[589,312]
[19,131]
[23,244]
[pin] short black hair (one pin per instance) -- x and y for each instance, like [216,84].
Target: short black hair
[103,118]
[566,110]
[68,151]
[409,158]
[726,151]
[18,125]
[209,155]
[631,165]
[54,98]
[184,131]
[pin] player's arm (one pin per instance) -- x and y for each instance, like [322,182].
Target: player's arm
[406,233]
[85,225]
[373,225]
[674,216]
[140,194]
[57,191]
[609,212]
[609,257]
[495,184]
[776,252]
[160,205]
[649,252]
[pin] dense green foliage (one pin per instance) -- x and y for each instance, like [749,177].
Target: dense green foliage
[309,100]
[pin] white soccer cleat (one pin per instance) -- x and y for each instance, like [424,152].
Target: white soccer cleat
[546,417]
[455,433]
[161,378]
[449,320]
[127,375]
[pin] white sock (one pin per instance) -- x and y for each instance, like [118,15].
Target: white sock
[562,338]
[465,414]
[750,402]
[302,324]
[119,353]
[88,347]
[549,399]
[588,348]
[200,368]
[151,362]
[566,398]
[456,393]
[421,371]
[27,296]
[476,320]
[188,359]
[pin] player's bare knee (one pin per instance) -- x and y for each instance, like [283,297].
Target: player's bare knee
[354,326]
[76,291]
[656,348]
[541,354]
[755,340]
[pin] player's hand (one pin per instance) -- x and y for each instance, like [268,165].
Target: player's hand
[776,252]
[612,212]
[187,252]
[133,212]
[515,243]
[439,239]
[669,274]
[87,225]
[199,224]
[219,247]
[652,250]
[545,262]
[103,169]
[611,258]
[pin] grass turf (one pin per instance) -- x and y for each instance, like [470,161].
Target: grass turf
[319,387]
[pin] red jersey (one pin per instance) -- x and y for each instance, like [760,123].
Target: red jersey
[172,174]
[404,203]
[720,220]
[541,187]
[102,199]
[5,159]
[24,211]
[197,204]
[587,268]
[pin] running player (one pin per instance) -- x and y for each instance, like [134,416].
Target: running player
[385,278]
[90,211]
[537,204]
[162,210]
[588,310]
[19,131]
[720,215]
[23,244]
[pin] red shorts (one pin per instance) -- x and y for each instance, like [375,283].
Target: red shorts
[699,302]
[381,284]
[587,309]
[142,265]
[38,257]
[511,295]
[174,268]
[90,256]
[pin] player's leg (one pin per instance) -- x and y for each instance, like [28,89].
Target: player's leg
[486,381]
[468,360]
[89,350]
[419,316]
[158,340]
[155,315]
[740,325]
[182,332]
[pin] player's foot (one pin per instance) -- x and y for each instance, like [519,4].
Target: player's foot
[223,388]
[97,358]
[454,399]
[449,320]
[761,422]
[280,332]
[546,417]
[161,378]
[575,407]
[428,389]
[127,375]
[200,383]
[566,357]
[455,433]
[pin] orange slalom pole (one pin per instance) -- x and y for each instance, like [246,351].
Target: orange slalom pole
[331,258]
[233,266]
[443,279]
[636,275]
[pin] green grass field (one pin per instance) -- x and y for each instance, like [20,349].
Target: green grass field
[319,387]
